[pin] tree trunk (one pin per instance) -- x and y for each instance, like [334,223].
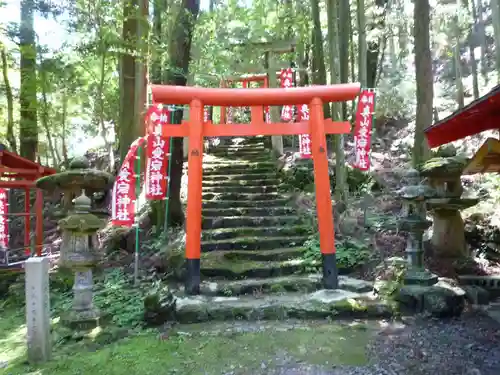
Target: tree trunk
[127,129]
[495,9]
[362,47]
[10,100]
[341,188]
[45,117]
[457,62]
[424,79]
[471,43]
[28,129]
[318,57]
[343,21]
[374,45]
[481,29]
[63,129]
[100,97]
[179,56]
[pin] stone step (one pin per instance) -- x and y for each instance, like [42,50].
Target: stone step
[254,243]
[239,177]
[241,196]
[279,202]
[240,151]
[256,145]
[235,233]
[247,140]
[263,189]
[239,168]
[248,211]
[236,269]
[274,255]
[322,304]
[241,182]
[280,284]
[237,221]
[235,159]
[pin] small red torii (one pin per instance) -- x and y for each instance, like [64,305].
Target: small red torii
[17,172]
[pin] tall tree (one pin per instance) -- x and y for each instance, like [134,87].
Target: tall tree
[344,28]
[128,127]
[179,49]
[28,129]
[375,28]
[424,78]
[341,188]
[471,43]
[495,10]
[10,98]
[362,48]
[457,58]
[318,55]
[478,15]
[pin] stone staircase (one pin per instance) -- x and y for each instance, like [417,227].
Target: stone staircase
[252,247]
[249,227]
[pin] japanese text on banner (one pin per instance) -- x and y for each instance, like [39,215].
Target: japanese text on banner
[304,139]
[363,129]
[286,78]
[157,159]
[124,194]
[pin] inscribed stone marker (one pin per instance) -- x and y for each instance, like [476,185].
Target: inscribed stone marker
[38,309]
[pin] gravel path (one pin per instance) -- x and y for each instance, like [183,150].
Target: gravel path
[466,346]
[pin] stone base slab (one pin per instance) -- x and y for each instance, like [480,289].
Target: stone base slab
[321,304]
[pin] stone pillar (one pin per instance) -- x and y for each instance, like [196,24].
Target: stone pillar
[38,309]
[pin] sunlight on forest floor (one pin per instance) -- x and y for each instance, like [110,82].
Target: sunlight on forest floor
[195,349]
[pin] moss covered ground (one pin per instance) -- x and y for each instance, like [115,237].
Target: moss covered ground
[194,349]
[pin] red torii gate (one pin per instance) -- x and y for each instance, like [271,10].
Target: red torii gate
[257,99]
[17,172]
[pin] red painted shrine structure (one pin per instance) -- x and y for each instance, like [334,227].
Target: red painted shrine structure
[20,173]
[480,115]
[196,129]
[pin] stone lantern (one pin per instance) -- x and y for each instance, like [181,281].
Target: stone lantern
[79,246]
[414,221]
[443,174]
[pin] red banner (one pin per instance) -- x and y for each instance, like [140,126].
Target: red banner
[229,115]
[124,194]
[286,81]
[304,139]
[363,129]
[4,224]
[268,115]
[157,156]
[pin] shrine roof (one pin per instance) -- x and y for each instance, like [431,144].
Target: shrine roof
[486,159]
[14,166]
[480,115]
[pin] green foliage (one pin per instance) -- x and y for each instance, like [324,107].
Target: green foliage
[114,295]
[396,97]
[301,177]
[350,253]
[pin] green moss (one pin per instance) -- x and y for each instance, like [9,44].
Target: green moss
[82,178]
[82,223]
[238,353]
[443,166]
[263,255]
